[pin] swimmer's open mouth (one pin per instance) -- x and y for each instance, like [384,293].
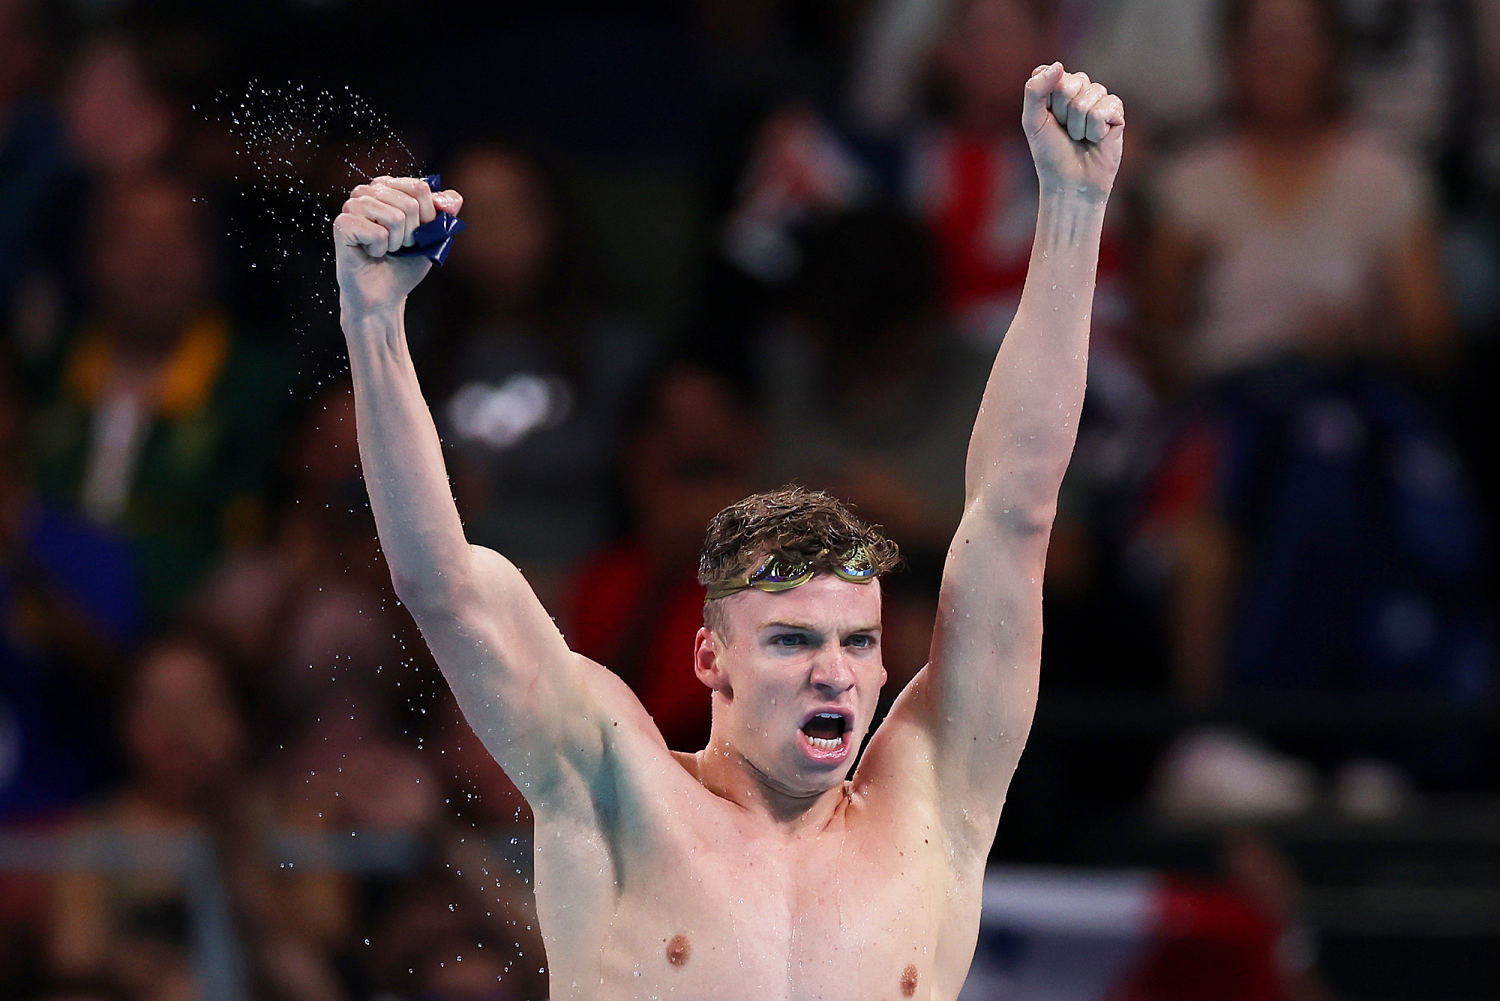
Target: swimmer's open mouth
[826,729]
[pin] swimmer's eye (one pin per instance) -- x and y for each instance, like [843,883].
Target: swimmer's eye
[792,639]
[862,640]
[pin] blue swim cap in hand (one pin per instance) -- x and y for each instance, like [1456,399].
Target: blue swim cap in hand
[434,239]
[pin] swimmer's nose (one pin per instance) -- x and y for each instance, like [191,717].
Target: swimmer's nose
[832,674]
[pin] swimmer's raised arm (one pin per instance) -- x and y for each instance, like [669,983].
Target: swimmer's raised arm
[975,700]
[527,695]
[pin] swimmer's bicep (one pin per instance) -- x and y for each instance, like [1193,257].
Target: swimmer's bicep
[954,736]
[987,636]
[977,696]
[524,692]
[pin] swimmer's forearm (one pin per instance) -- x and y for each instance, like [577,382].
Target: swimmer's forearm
[1028,421]
[420,532]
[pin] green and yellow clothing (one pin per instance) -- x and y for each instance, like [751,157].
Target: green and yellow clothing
[192,471]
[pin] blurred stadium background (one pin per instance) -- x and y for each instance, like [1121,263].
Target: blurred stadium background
[716,245]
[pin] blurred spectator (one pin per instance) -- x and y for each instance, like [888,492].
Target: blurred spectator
[1324,539]
[159,419]
[118,121]
[958,158]
[1288,253]
[185,734]
[1320,535]
[67,611]
[694,447]
[973,182]
[1291,234]
[527,375]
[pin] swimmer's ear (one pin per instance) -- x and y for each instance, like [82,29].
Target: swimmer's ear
[448,201]
[706,659]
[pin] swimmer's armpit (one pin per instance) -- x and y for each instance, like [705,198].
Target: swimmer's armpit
[433,240]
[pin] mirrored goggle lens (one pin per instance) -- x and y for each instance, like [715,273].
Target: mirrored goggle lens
[855,572]
[776,574]
[857,566]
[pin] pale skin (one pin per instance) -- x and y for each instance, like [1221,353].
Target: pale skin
[751,868]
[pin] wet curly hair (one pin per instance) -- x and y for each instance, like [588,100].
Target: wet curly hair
[792,521]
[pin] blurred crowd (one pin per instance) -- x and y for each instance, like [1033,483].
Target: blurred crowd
[713,247]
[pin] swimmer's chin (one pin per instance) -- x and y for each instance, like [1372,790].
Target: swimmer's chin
[808,785]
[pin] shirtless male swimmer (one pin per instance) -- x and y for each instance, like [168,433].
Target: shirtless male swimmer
[752,870]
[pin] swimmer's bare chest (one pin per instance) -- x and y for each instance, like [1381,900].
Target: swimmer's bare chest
[690,899]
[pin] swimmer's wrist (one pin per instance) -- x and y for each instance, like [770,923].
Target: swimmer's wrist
[1060,191]
[1068,221]
[367,321]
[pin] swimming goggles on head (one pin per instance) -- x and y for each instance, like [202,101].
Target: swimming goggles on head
[779,572]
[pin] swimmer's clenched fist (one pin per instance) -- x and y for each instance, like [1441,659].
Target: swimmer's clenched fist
[1076,129]
[380,217]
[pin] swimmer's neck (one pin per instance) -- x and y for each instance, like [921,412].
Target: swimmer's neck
[724,772]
